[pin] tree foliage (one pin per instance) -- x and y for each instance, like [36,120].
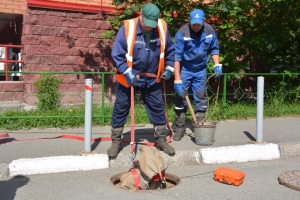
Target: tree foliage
[258,34]
[174,12]
[254,35]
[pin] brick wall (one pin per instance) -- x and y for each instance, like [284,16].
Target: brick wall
[19,6]
[90,2]
[99,2]
[66,41]
[13,6]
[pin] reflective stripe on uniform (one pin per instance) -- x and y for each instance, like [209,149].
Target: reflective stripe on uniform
[130,34]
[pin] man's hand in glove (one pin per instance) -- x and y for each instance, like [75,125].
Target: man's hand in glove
[218,70]
[167,73]
[178,87]
[131,78]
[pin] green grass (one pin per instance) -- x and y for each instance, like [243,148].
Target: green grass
[72,117]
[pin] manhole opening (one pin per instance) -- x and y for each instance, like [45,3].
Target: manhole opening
[171,179]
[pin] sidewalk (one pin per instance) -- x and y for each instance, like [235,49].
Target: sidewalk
[234,142]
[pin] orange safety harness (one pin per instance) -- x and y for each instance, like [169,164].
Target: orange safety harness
[161,175]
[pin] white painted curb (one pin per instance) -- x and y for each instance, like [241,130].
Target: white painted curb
[27,166]
[215,155]
[242,153]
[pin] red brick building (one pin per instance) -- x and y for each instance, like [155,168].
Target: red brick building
[53,35]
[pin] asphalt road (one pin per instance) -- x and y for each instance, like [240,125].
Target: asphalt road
[261,182]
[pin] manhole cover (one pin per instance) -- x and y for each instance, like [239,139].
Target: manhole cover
[171,179]
[290,179]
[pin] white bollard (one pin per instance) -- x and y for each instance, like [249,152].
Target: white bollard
[260,109]
[88,115]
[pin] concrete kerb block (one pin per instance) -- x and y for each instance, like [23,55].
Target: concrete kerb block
[289,150]
[183,157]
[242,153]
[213,155]
[123,160]
[46,165]
[4,170]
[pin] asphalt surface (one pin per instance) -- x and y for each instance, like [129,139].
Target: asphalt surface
[283,132]
[196,182]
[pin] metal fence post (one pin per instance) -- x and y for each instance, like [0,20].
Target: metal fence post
[224,95]
[259,109]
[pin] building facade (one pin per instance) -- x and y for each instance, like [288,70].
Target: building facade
[54,36]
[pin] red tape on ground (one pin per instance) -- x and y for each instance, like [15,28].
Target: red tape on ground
[4,138]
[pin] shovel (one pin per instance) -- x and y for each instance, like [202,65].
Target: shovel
[204,132]
[192,110]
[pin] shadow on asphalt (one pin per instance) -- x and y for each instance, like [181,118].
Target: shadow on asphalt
[8,188]
[6,140]
[250,136]
[141,135]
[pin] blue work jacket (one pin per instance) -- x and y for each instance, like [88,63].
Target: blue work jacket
[143,60]
[192,51]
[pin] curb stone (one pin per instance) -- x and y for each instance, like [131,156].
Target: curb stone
[289,150]
[4,172]
[215,155]
[182,157]
[57,164]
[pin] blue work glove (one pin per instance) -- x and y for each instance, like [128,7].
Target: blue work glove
[167,73]
[218,70]
[131,78]
[178,88]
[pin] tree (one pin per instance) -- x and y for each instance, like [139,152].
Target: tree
[254,35]
[175,13]
[258,34]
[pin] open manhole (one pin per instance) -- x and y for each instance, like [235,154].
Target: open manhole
[171,180]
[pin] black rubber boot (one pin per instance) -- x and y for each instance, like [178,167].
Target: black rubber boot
[114,150]
[160,135]
[180,117]
[200,116]
[161,143]
[179,133]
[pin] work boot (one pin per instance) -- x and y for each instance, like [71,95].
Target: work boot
[160,134]
[114,150]
[200,116]
[180,117]
[179,133]
[161,143]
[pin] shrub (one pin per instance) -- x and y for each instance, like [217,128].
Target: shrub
[47,92]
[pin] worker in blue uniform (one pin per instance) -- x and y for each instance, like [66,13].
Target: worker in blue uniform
[142,70]
[194,42]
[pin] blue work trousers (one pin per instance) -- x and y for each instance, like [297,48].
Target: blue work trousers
[152,99]
[196,79]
